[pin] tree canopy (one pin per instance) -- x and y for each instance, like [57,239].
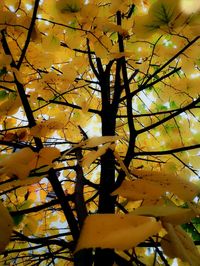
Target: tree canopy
[100,142]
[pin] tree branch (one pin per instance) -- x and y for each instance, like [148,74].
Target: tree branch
[78,197]
[28,38]
[151,153]
[45,241]
[170,60]
[39,207]
[174,114]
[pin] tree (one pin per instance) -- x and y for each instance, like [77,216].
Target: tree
[99,112]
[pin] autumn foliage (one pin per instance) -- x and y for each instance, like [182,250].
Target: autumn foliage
[100,142]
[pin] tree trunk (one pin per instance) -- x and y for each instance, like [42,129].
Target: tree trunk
[106,202]
[83,257]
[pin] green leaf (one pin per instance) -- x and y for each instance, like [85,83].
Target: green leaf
[192,229]
[3,71]
[164,11]
[17,219]
[3,94]
[173,105]
[161,108]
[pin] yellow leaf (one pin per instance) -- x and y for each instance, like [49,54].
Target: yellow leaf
[177,243]
[170,182]
[35,36]
[18,164]
[165,15]
[96,141]
[69,72]
[30,226]
[89,158]
[10,105]
[46,128]
[169,213]
[190,6]
[194,207]
[168,247]
[6,226]
[121,163]
[50,43]
[6,18]
[116,231]
[5,60]
[84,106]
[181,217]
[70,6]
[18,75]
[116,55]
[47,155]
[22,182]
[100,50]
[139,189]
[21,170]
[187,241]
